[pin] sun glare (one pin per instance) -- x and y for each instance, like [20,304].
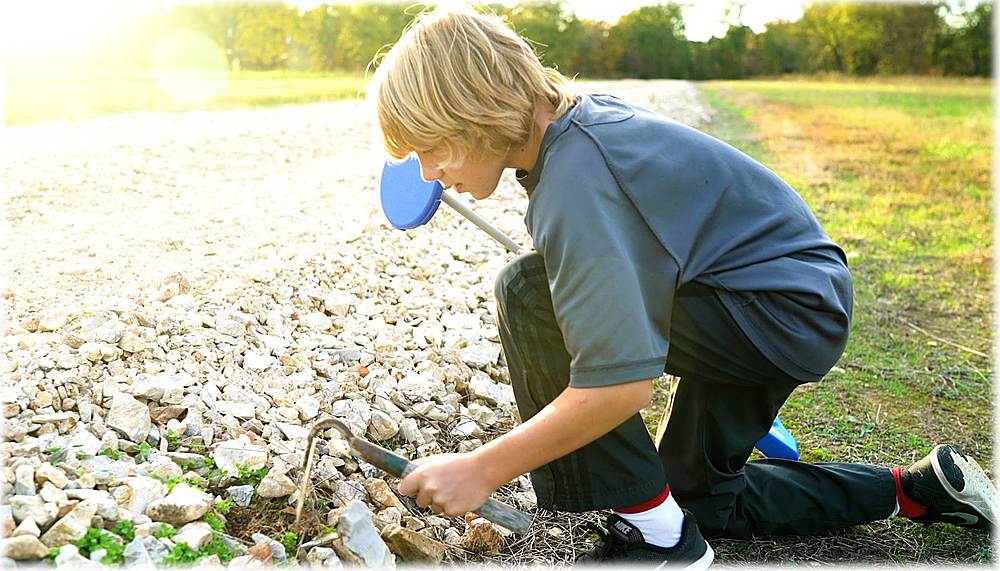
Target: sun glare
[37,30]
[189,67]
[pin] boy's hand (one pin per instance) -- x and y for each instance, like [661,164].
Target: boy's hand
[450,484]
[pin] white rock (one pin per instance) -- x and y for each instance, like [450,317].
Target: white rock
[156,549]
[136,554]
[241,495]
[293,431]
[408,428]
[108,509]
[129,417]
[196,534]
[276,485]
[136,493]
[52,494]
[86,442]
[27,527]
[360,536]
[53,418]
[72,526]
[23,548]
[86,411]
[482,414]
[482,386]
[230,327]
[131,343]
[318,555]
[109,332]
[481,354]
[382,426]
[286,414]
[182,505]
[163,469]
[7,523]
[244,410]
[151,388]
[255,361]
[308,408]
[315,321]
[48,473]
[338,303]
[32,506]
[69,558]
[466,428]
[431,411]
[83,494]
[95,352]
[230,453]
[417,387]
[355,413]
[53,320]
[24,480]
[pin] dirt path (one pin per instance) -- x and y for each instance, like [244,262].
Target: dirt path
[103,207]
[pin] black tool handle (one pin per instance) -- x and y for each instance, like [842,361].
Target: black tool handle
[497,512]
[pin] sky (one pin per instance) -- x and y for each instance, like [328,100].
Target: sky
[702,18]
[29,24]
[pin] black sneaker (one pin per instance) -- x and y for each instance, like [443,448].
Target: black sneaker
[953,488]
[623,543]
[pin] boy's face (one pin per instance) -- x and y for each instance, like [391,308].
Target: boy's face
[478,177]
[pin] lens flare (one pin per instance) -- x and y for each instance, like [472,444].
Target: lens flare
[189,67]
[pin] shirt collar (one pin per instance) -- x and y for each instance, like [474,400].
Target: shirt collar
[529,179]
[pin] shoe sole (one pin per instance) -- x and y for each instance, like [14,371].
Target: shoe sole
[978,492]
[703,562]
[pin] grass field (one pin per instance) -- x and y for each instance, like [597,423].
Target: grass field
[899,174]
[67,96]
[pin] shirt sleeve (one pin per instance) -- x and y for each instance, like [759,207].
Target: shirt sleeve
[612,283]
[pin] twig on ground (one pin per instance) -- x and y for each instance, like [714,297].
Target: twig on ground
[943,340]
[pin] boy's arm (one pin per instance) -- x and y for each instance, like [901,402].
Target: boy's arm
[577,417]
[454,484]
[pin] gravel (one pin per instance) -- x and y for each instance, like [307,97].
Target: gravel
[186,293]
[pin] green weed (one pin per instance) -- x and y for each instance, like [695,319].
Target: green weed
[96,539]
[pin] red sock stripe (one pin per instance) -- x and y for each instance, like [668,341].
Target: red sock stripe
[907,507]
[647,505]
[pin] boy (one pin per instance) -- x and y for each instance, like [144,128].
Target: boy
[659,249]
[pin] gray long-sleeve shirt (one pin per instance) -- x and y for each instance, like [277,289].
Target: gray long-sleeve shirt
[626,206]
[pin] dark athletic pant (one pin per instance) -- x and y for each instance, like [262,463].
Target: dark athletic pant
[728,395]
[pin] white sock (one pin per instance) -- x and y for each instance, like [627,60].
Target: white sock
[895,511]
[660,525]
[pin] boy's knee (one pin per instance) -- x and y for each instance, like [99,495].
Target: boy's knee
[518,274]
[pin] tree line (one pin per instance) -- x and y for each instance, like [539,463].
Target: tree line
[927,38]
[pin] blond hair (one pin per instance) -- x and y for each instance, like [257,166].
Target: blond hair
[464,83]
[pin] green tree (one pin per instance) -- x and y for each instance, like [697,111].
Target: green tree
[265,34]
[649,42]
[594,57]
[322,26]
[367,30]
[218,22]
[966,48]
[777,50]
[553,30]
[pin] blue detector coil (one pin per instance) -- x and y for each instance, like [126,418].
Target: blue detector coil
[778,442]
[407,199]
